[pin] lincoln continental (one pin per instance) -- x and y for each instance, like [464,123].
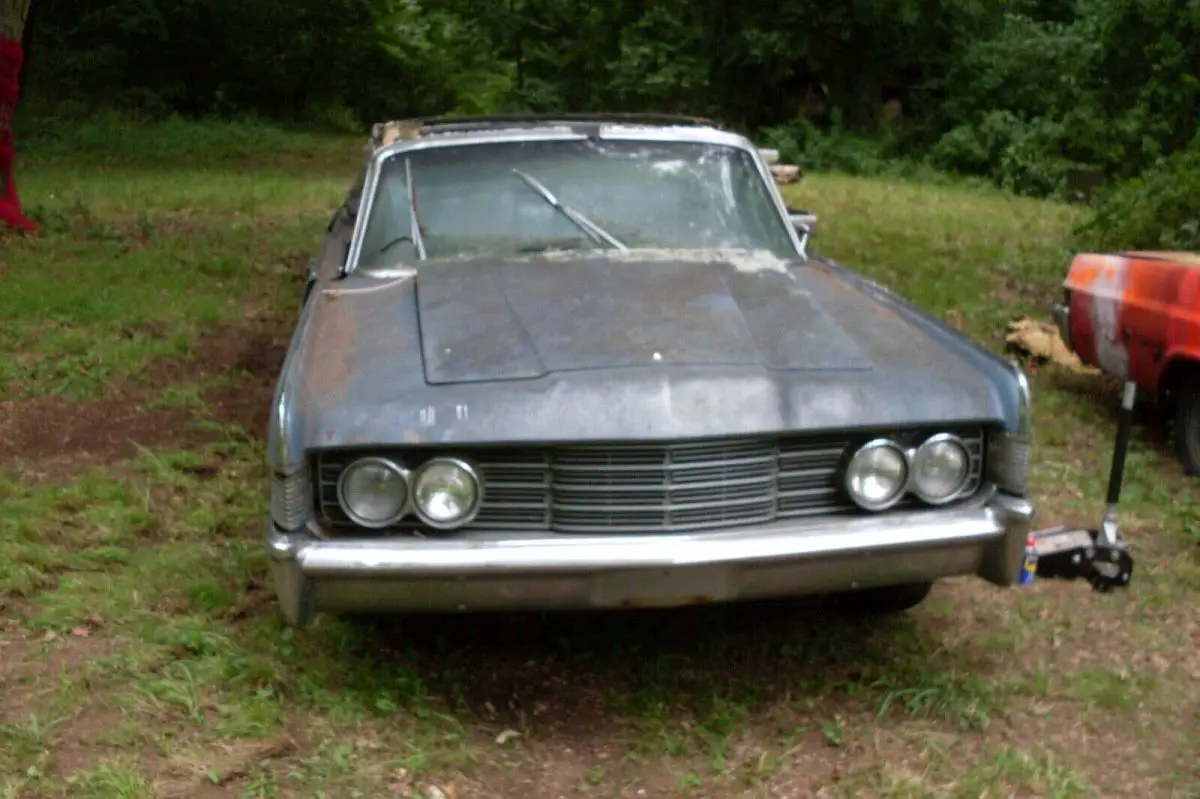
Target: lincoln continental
[593,362]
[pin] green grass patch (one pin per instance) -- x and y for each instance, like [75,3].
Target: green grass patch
[145,652]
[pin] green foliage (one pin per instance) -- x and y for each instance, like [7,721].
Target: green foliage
[1022,93]
[1158,210]
[1112,86]
[108,136]
[802,142]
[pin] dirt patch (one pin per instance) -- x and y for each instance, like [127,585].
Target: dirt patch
[45,434]
[244,360]
[226,766]
[251,347]
[50,438]
[76,748]
[26,661]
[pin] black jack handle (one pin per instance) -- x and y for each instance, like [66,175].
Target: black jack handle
[1099,556]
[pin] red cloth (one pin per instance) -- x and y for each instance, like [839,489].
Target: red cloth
[11,56]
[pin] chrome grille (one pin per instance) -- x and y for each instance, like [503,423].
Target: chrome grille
[643,488]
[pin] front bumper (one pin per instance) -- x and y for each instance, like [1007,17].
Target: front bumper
[556,571]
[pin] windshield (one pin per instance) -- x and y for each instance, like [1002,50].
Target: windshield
[513,198]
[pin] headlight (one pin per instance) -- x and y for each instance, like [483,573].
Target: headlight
[446,492]
[373,492]
[941,467]
[877,474]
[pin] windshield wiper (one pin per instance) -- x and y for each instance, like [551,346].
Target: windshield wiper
[413,220]
[579,220]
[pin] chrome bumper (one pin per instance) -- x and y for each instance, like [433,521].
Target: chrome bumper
[549,571]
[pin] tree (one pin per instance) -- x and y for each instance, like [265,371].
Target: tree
[13,14]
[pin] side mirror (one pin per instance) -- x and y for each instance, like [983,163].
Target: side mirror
[805,224]
[804,221]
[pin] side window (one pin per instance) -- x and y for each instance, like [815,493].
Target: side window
[389,220]
[754,195]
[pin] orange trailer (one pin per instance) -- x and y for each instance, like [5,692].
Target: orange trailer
[1136,315]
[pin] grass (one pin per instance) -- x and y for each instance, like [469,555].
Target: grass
[140,654]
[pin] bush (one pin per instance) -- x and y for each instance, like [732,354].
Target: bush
[803,143]
[121,137]
[1159,210]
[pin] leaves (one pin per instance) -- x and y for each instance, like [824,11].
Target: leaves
[1024,92]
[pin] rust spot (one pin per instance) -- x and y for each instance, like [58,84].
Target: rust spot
[345,335]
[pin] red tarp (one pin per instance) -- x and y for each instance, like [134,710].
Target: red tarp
[11,56]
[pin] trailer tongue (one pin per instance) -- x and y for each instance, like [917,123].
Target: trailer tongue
[1100,555]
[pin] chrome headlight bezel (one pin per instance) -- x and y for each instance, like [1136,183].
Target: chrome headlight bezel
[1008,462]
[390,465]
[921,452]
[1024,406]
[467,469]
[291,499]
[849,475]
[1008,450]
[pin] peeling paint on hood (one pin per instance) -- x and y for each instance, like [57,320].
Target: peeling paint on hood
[747,261]
[743,260]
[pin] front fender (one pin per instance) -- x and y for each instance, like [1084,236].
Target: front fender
[1178,364]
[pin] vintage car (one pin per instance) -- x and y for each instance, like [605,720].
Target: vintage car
[1136,316]
[589,362]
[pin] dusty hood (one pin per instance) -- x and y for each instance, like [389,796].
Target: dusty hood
[622,348]
[485,320]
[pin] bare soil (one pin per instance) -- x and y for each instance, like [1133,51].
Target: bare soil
[50,438]
[25,657]
[43,434]
[252,352]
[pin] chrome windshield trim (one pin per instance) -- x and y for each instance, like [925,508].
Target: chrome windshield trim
[616,132]
[414,220]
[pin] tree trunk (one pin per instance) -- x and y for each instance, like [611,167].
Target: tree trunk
[13,14]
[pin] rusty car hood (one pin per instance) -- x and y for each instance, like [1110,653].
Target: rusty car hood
[483,321]
[619,348]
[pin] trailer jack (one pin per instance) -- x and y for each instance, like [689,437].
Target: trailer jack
[1099,556]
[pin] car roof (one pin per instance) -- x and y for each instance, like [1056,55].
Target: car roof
[421,132]
[492,122]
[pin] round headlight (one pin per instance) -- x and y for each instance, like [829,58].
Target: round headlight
[876,475]
[941,467]
[373,492]
[446,492]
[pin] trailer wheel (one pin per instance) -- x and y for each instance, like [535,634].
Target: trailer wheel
[1187,427]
